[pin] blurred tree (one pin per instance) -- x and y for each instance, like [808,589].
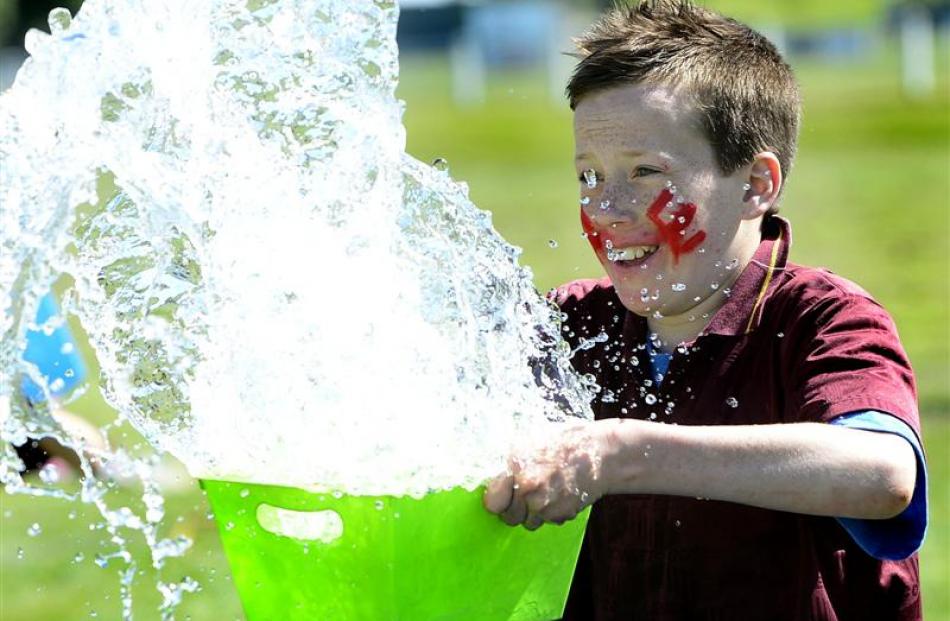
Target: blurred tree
[8,14]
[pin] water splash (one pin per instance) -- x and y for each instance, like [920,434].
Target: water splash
[274,290]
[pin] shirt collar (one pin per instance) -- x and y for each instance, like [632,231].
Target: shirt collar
[742,312]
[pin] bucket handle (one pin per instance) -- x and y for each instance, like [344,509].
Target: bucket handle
[321,526]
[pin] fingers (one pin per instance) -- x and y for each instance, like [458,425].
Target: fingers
[499,493]
[533,505]
[517,511]
[533,522]
[533,494]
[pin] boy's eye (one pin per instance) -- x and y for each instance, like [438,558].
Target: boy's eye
[644,171]
[590,177]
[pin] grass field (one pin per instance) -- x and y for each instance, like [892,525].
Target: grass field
[869,198]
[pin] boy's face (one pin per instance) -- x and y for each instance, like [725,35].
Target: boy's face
[671,231]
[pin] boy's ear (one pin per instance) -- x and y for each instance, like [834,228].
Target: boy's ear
[764,185]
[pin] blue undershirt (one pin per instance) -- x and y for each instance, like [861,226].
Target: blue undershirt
[892,539]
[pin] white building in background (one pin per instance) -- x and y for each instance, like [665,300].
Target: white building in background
[918,51]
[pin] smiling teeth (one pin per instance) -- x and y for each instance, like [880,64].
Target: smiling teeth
[632,253]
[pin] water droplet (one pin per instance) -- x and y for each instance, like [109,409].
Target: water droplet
[714,286]
[678,286]
[34,530]
[746,187]
[604,205]
[552,243]
[57,385]
[650,399]
[69,373]
[441,164]
[59,20]
[49,473]
[67,348]
[732,264]
[780,335]
[229,526]
[244,493]
[101,561]
[644,295]
[681,219]
[652,415]
[677,523]
[732,402]
[20,554]
[379,505]
[585,200]
[79,557]
[590,177]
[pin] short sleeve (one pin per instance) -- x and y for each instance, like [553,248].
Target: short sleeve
[900,536]
[845,356]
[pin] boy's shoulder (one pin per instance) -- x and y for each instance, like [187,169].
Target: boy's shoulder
[811,284]
[585,289]
[799,293]
[818,292]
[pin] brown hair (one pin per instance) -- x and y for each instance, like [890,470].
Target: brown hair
[745,93]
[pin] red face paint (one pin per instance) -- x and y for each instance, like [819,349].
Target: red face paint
[673,232]
[596,241]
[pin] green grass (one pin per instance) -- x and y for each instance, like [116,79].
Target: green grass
[869,198]
[800,13]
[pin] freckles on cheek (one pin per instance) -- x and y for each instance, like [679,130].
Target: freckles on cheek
[596,241]
[672,228]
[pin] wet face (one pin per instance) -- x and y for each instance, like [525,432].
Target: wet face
[671,231]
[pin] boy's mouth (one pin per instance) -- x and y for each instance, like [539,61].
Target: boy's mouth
[631,254]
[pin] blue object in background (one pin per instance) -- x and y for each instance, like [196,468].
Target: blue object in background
[55,355]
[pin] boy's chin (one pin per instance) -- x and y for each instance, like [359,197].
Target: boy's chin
[639,307]
[650,308]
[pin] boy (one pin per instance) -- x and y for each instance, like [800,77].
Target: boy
[789,482]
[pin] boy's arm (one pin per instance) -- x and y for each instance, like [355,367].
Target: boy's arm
[810,468]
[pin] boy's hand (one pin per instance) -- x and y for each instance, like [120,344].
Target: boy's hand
[554,483]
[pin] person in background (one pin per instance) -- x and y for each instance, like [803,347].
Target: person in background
[54,352]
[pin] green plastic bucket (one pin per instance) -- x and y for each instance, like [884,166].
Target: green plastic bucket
[380,558]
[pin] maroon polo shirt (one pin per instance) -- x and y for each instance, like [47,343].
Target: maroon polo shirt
[791,344]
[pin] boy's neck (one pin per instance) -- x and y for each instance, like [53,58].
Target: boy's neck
[674,330]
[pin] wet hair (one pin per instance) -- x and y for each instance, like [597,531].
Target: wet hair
[745,94]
